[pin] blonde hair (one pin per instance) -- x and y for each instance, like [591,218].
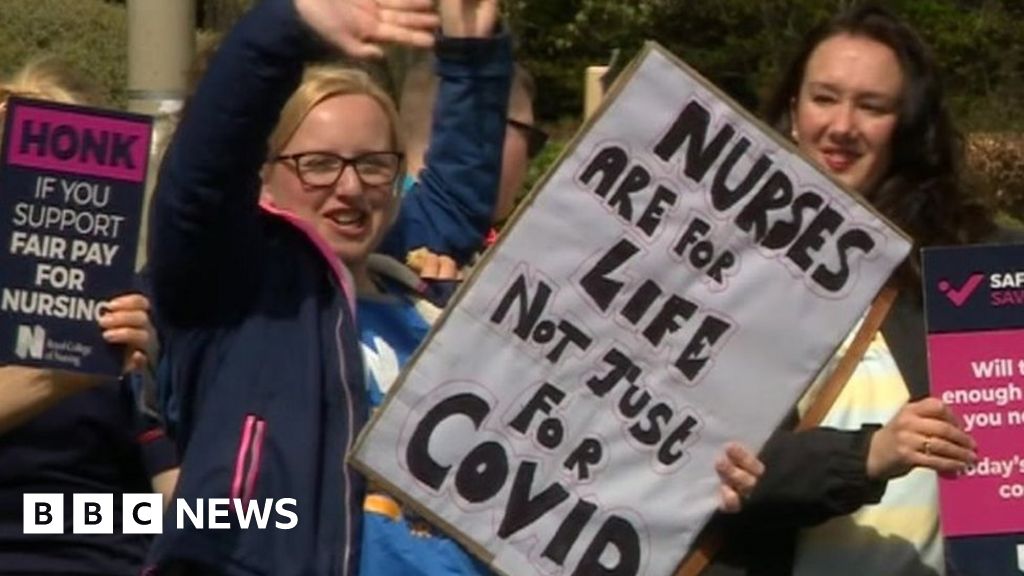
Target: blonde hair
[324,81]
[48,78]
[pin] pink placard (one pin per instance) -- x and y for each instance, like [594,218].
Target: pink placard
[980,376]
[76,143]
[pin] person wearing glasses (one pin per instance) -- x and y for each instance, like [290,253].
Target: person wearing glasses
[863,99]
[262,235]
[260,241]
[395,310]
[523,142]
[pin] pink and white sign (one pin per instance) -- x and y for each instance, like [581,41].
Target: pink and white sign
[980,375]
[974,299]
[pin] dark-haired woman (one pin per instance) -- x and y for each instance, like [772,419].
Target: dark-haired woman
[858,495]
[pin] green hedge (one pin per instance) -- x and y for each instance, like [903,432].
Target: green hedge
[89,34]
[741,45]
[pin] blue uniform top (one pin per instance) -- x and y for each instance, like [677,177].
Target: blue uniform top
[396,540]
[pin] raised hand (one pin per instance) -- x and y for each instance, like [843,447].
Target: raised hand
[126,322]
[362,27]
[923,433]
[738,470]
[468,18]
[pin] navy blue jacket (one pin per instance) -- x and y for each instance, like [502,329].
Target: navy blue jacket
[95,441]
[261,348]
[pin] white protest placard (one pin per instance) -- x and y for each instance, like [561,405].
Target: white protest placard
[674,284]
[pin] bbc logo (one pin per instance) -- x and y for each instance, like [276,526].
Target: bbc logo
[92,514]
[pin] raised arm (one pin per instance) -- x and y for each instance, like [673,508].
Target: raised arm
[205,207]
[450,209]
[205,218]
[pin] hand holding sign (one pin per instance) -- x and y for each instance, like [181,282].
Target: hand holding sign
[622,330]
[126,322]
[975,323]
[432,266]
[73,181]
[923,433]
[739,471]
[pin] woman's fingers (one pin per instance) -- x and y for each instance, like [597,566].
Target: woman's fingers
[942,455]
[432,266]
[729,501]
[739,471]
[923,433]
[125,321]
[942,429]
[743,458]
[127,302]
[134,361]
[363,27]
[132,337]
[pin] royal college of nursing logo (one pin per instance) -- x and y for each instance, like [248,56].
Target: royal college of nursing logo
[30,342]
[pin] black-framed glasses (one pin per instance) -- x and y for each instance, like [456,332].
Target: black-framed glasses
[536,138]
[324,169]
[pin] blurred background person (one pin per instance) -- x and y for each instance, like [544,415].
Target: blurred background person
[524,140]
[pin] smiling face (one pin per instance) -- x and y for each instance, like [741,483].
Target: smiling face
[847,109]
[350,216]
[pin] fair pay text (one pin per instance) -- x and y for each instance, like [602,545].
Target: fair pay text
[73,250]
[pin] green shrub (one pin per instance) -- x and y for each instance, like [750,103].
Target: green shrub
[91,35]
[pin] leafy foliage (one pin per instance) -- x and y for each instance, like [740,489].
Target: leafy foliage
[741,45]
[220,14]
[89,34]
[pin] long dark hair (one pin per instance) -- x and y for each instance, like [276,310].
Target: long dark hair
[925,191]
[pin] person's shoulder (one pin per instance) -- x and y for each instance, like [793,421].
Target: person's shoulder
[428,296]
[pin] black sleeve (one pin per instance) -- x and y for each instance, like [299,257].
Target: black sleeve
[812,476]
[205,229]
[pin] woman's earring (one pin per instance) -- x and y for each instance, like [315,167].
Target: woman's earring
[792,134]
